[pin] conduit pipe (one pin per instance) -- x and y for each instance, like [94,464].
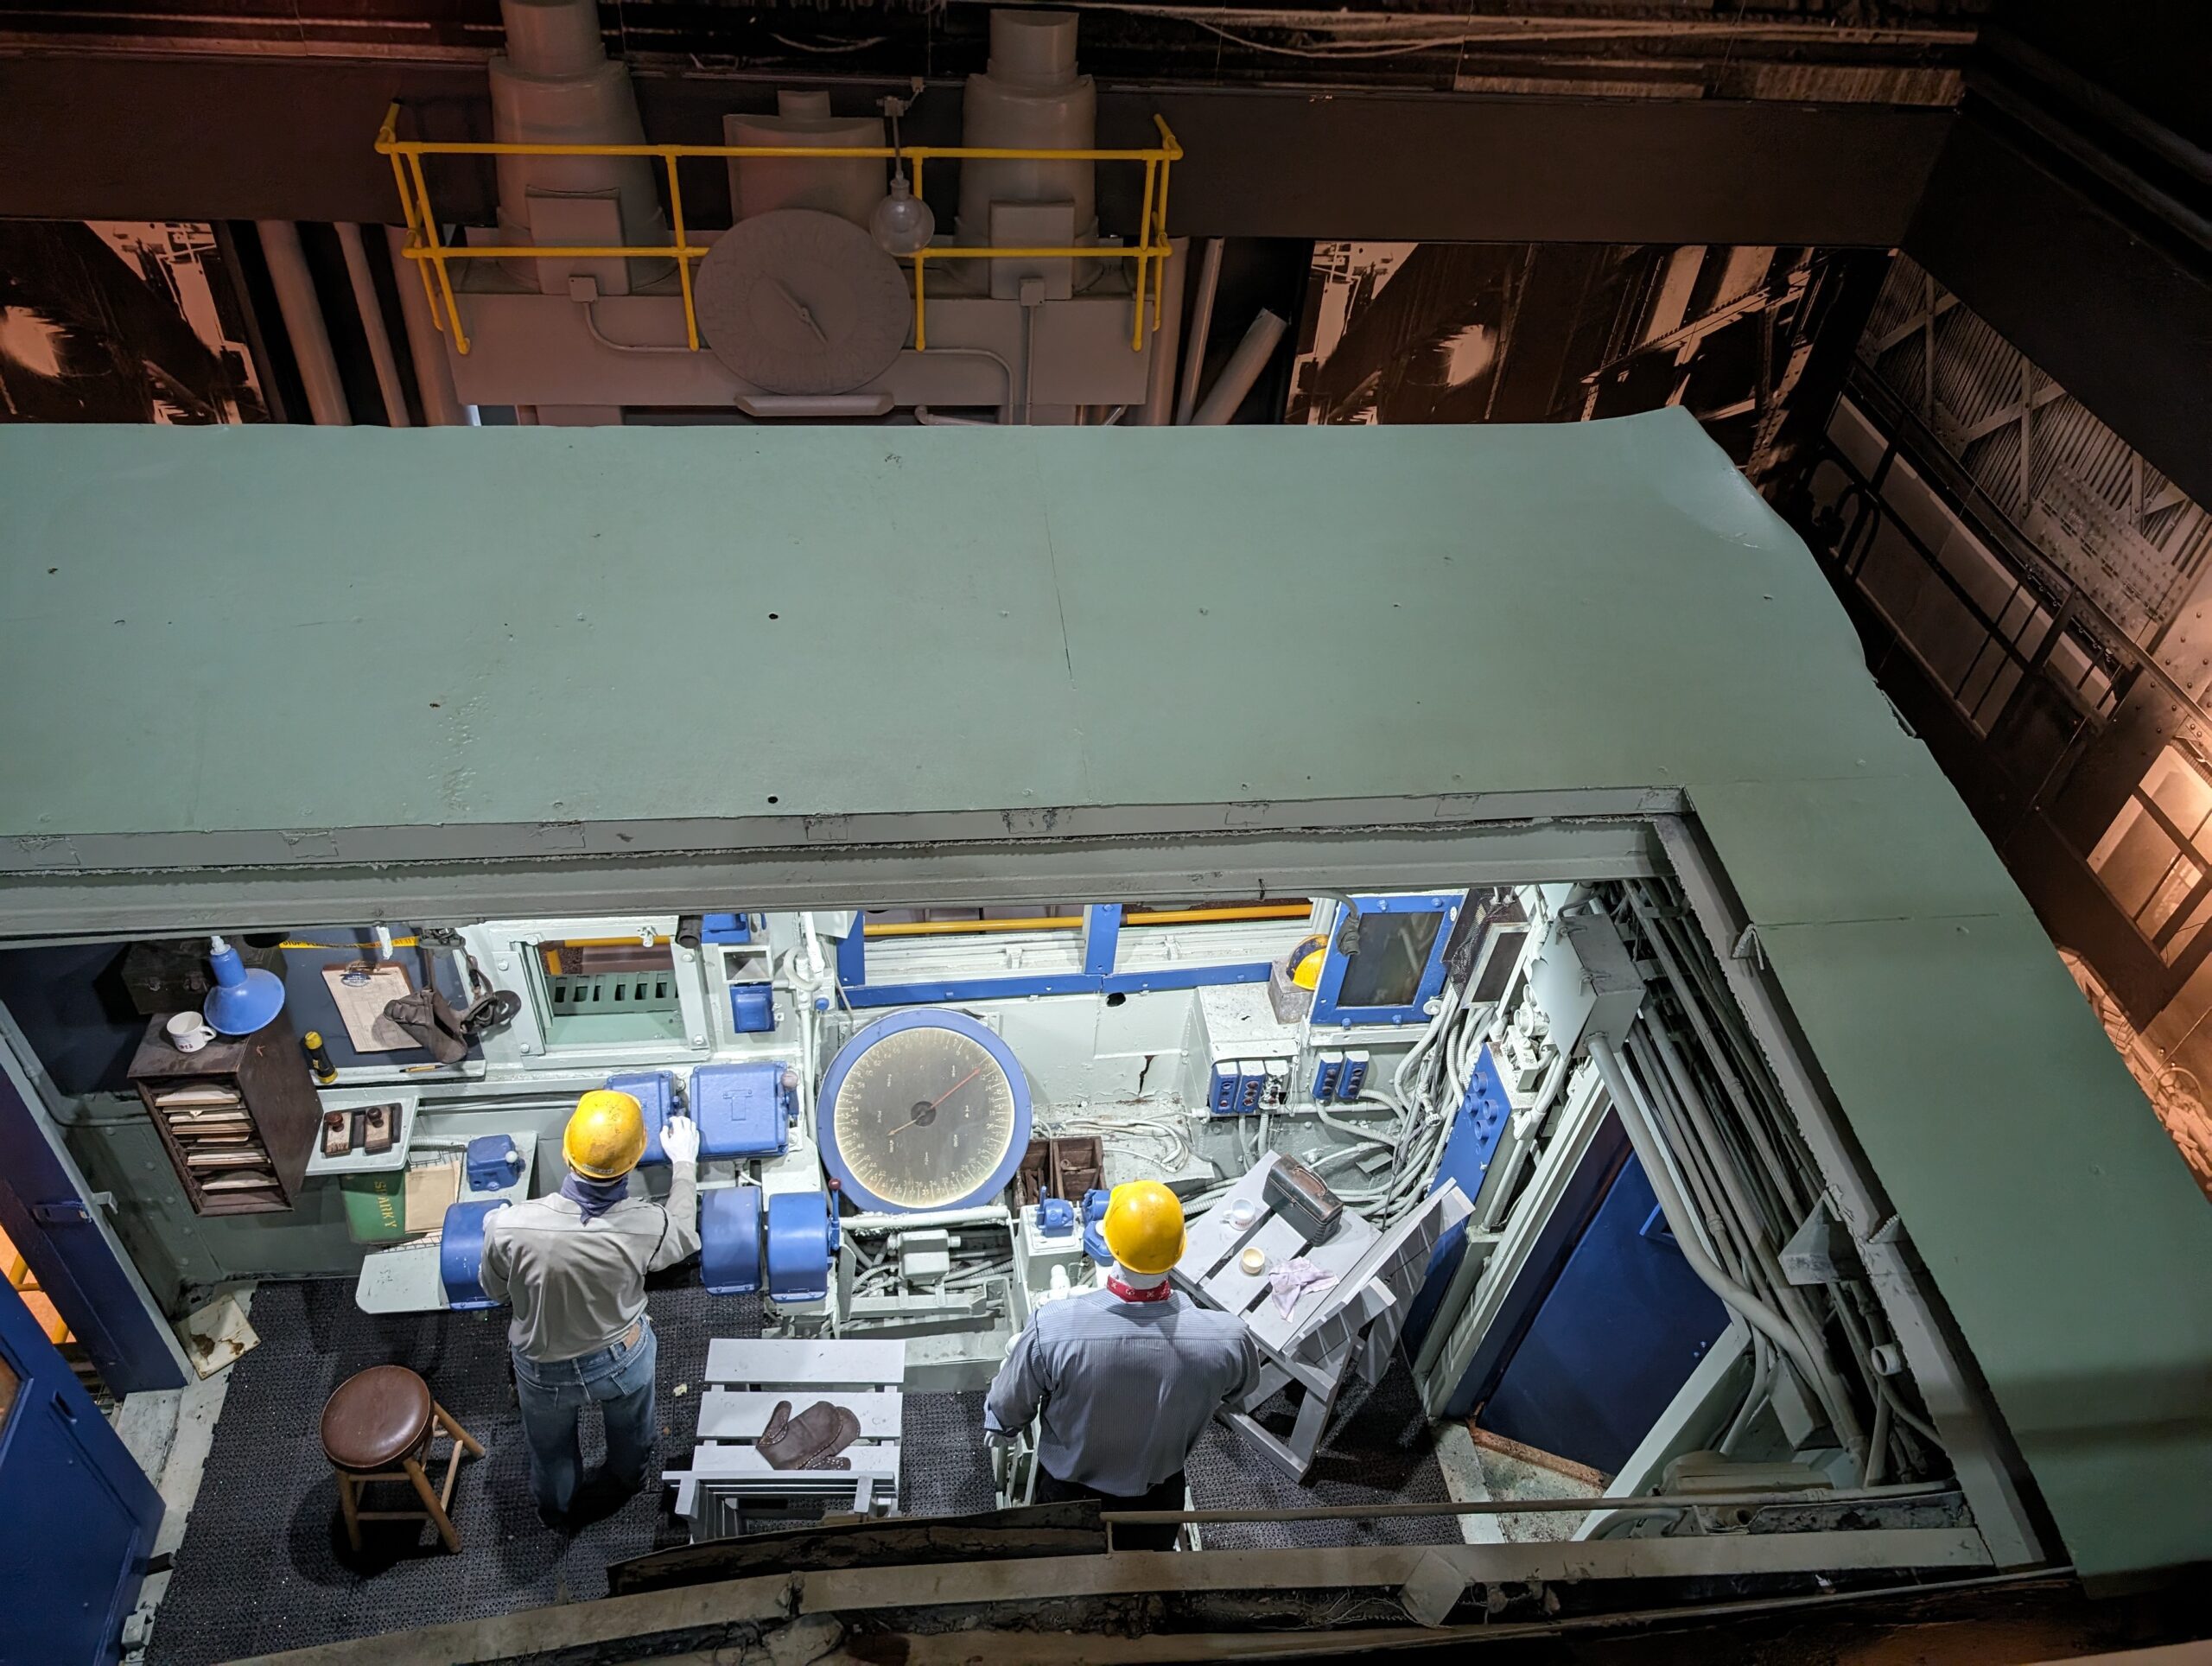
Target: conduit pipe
[1194,359]
[1242,371]
[1159,406]
[371,311]
[303,313]
[442,406]
[1635,1122]
[1752,1228]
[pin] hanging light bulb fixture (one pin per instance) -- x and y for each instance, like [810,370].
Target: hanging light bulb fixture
[902,222]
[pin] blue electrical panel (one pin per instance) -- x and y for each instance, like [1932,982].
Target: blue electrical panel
[802,1238]
[1240,1087]
[725,928]
[1328,1076]
[655,1092]
[752,1008]
[1477,1127]
[461,1255]
[1480,1124]
[730,1240]
[493,1162]
[1251,1086]
[1354,1079]
[743,1110]
[1227,1083]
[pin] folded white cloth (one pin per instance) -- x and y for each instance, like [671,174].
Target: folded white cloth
[1292,1279]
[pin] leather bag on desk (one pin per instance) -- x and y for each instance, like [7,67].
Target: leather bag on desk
[810,1440]
[430,1019]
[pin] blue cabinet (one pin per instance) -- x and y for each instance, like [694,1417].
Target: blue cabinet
[1622,1328]
[77,1516]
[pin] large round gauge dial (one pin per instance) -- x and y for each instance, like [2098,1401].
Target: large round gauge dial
[926,1109]
[798,301]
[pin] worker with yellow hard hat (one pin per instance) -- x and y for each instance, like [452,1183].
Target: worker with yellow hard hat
[1123,1381]
[573,1266]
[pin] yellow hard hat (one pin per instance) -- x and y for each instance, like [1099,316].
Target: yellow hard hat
[1144,1226]
[606,1137]
[1306,962]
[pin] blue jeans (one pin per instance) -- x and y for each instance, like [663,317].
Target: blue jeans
[553,1396]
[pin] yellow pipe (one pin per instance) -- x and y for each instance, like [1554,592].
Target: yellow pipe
[684,152]
[414,225]
[1074,922]
[997,251]
[1206,916]
[1144,236]
[430,236]
[683,261]
[921,319]
[557,252]
[438,252]
[962,927]
[1144,241]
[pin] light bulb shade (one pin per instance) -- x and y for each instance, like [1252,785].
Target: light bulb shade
[242,1001]
[902,222]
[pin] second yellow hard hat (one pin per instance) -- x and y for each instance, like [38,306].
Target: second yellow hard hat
[606,1137]
[1144,1226]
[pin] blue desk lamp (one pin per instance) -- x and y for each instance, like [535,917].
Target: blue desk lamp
[242,1001]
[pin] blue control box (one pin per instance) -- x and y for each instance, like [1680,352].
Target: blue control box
[743,1110]
[1354,1079]
[725,928]
[1328,1076]
[655,1092]
[1056,1219]
[752,1008]
[1222,1095]
[493,1162]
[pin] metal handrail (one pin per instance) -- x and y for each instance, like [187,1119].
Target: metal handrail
[428,253]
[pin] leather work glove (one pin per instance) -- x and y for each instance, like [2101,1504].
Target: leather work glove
[679,1140]
[810,1440]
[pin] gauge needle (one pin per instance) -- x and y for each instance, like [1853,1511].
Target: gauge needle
[939,1100]
[956,1087]
[799,307]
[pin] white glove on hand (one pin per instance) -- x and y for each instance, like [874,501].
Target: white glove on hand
[679,1140]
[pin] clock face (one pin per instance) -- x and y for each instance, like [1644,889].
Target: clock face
[798,301]
[924,1117]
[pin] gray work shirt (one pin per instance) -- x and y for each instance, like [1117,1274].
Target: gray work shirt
[1122,1389]
[577,1285]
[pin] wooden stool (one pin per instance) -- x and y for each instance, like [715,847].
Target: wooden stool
[384,1416]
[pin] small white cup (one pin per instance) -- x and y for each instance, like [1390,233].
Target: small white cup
[189,1031]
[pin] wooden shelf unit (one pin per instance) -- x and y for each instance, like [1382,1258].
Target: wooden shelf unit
[269,1074]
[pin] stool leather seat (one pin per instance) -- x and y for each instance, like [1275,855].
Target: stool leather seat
[375,1418]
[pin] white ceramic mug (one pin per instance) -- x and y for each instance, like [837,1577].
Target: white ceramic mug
[189,1031]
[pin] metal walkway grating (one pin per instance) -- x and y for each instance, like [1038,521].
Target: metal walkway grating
[263,1565]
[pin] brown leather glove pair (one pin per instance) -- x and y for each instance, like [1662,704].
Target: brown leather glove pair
[810,1440]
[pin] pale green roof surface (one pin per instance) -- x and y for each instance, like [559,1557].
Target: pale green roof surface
[297,628]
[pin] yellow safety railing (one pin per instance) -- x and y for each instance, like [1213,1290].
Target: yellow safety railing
[1149,252]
